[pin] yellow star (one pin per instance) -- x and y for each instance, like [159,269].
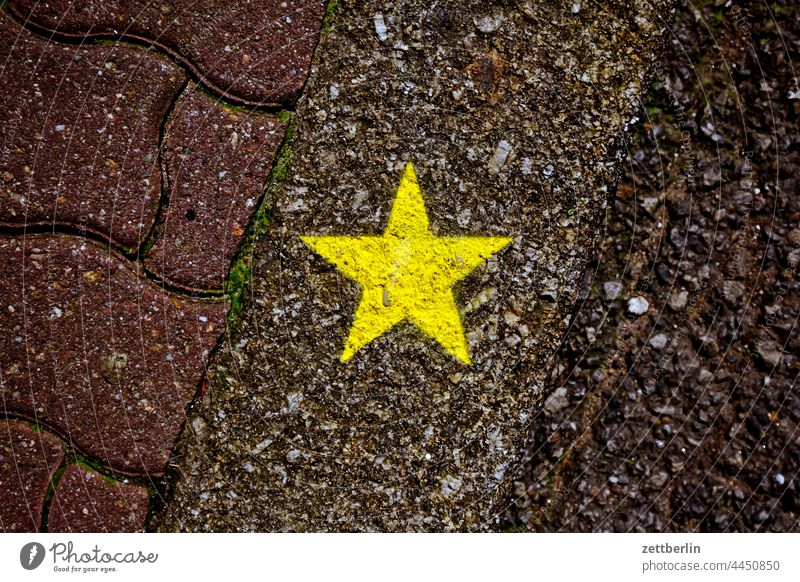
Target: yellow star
[407,274]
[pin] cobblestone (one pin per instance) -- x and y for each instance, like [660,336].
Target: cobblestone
[217,160]
[28,459]
[80,135]
[257,51]
[85,501]
[129,175]
[97,352]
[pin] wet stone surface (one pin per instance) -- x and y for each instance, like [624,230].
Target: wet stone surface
[80,137]
[512,114]
[217,161]
[85,502]
[256,51]
[97,352]
[28,459]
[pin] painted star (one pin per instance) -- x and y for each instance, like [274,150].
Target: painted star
[407,274]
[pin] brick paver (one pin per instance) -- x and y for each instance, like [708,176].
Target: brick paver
[79,144]
[86,501]
[28,459]
[217,160]
[252,50]
[128,171]
[98,352]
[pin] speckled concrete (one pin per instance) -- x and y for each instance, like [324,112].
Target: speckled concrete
[513,115]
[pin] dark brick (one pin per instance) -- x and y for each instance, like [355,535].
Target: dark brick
[218,160]
[257,51]
[97,352]
[86,501]
[80,133]
[28,459]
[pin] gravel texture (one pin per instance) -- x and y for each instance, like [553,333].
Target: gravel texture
[685,418]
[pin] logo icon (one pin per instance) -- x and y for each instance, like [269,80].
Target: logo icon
[31,555]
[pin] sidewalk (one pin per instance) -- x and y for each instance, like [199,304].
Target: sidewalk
[136,148]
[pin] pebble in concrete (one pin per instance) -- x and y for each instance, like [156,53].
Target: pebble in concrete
[638,305]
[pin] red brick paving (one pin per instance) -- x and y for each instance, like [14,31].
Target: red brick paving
[95,349]
[218,160]
[97,352]
[85,501]
[28,460]
[80,134]
[257,51]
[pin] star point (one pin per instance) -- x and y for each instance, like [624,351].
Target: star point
[407,273]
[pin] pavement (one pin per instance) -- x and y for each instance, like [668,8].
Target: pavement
[307,266]
[137,143]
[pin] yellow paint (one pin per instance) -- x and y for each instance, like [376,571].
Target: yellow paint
[407,273]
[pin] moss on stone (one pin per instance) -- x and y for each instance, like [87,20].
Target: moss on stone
[330,13]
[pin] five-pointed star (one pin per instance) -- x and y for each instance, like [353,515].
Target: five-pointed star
[408,273]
